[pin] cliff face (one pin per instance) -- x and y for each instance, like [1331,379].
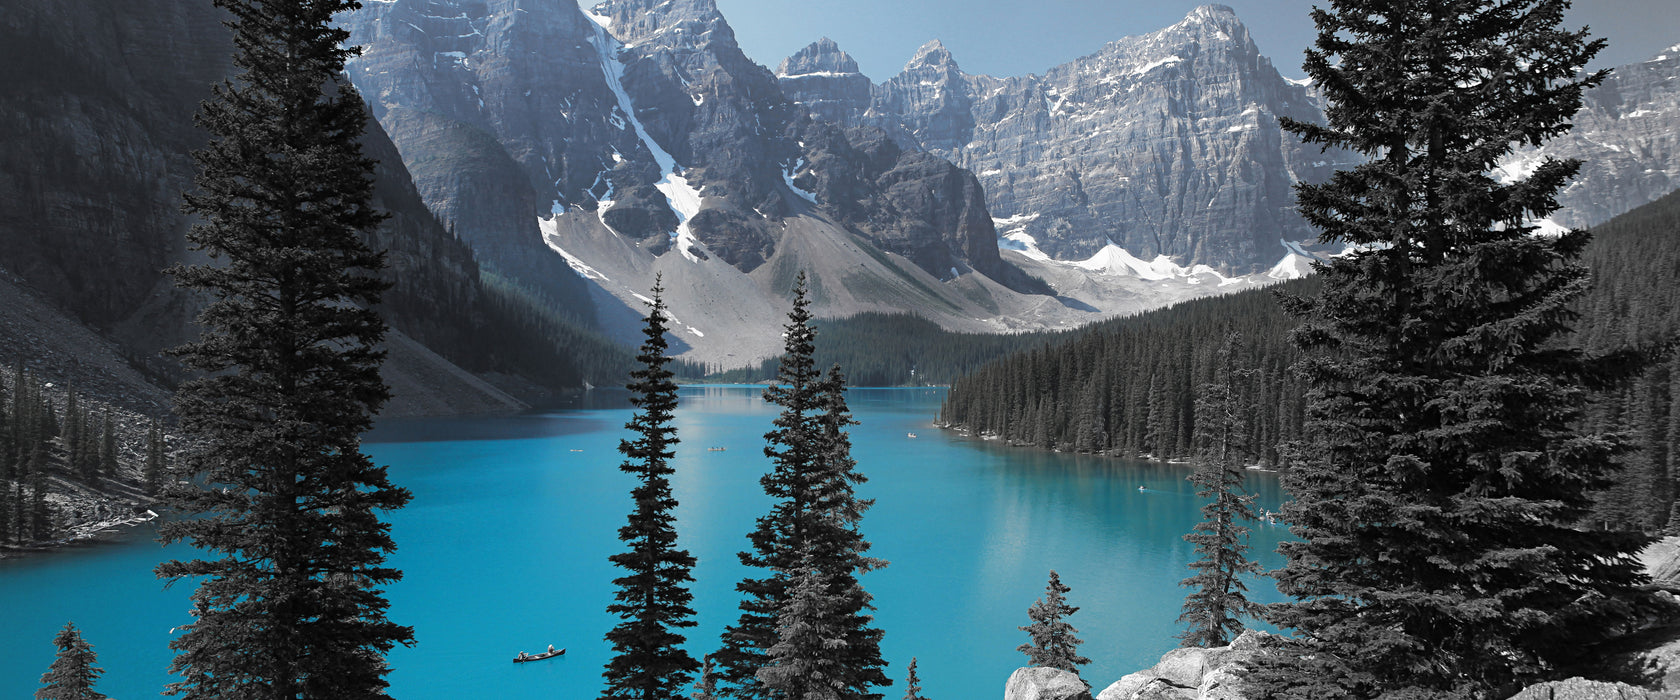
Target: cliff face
[482,99]
[99,117]
[1165,144]
[1627,136]
[645,113]
[98,122]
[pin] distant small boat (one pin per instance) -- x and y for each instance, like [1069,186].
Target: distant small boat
[1140,488]
[716,449]
[525,658]
[910,435]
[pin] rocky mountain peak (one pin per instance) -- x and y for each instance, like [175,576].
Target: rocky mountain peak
[825,81]
[932,53]
[821,56]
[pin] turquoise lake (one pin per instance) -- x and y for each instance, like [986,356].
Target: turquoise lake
[504,549]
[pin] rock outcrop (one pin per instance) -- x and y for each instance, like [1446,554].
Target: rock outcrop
[1041,683]
[1192,673]
[1583,689]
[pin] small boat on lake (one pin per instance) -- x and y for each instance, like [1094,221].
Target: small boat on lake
[526,658]
[716,449]
[910,435]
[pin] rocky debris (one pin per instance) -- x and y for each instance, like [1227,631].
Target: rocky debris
[1165,144]
[1583,689]
[1042,683]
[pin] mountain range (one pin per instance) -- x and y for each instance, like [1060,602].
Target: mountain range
[556,160]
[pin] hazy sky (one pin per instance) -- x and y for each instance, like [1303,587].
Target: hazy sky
[1015,37]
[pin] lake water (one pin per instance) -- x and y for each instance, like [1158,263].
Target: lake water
[505,547]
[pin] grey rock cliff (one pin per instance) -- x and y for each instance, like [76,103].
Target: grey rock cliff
[825,81]
[99,115]
[1628,136]
[647,113]
[489,102]
[1166,143]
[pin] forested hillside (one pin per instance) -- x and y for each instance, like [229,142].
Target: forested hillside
[1127,387]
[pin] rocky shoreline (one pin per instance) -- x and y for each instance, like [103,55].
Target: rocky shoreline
[1644,666]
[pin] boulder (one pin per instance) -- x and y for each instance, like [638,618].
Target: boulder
[1126,688]
[1583,689]
[1041,683]
[1192,673]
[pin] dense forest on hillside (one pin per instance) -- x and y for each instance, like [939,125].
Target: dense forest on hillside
[882,349]
[68,461]
[1128,386]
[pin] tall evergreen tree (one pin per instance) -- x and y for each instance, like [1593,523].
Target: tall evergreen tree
[1437,499]
[1214,609]
[813,524]
[1053,644]
[153,471]
[290,606]
[43,525]
[802,665]
[75,437]
[778,538]
[108,447]
[912,683]
[705,688]
[649,662]
[837,546]
[72,674]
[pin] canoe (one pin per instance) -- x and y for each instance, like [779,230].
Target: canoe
[538,657]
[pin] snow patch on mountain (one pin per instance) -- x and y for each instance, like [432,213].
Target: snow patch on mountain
[551,236]
[1021,241]
[683,199]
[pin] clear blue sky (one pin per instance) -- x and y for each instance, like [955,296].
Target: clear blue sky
[1016,37]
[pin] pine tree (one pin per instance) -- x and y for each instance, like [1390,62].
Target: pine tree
[1217,603]
[153,472]
[912,683]
[108,447]
[282,496]
[838,548]
[778,538]
[72,674]
[801,664]
[1437,497]
[649,662]
[814,523]
[705,688]
[1053,644]
[75,443]
[42,524]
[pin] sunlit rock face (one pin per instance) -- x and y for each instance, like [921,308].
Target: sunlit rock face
[1627,136]
[647,114]
[1164,144]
